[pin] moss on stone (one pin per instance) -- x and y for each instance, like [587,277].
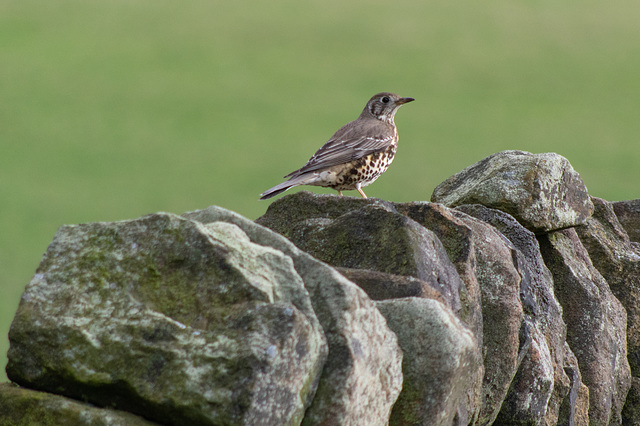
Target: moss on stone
[165,317]
[25,407]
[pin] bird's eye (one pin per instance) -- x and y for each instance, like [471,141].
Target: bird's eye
[385,99]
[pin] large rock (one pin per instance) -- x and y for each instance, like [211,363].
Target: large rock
[542,191]
[362,377]
[618,260]
[175,321]
[528,398]
[541,384]
[440,355]
[574,410]
[364,234]
[381,286]
[628,213]
[484,260]
[457,240]
[20,406]
[631,410]
[596,324]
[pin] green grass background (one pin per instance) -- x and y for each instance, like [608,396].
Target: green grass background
[114,109]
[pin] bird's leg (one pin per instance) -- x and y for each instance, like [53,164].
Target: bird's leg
[340,193]
[362,193]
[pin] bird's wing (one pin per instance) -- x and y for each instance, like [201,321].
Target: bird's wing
[348,144]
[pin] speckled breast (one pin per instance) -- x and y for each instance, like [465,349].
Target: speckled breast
[364,170]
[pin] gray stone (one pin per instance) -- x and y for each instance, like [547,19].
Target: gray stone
[631,410]
[596,324]
[618,260]
[484,260]
[541,383]
[527,402]
[455,236]
[440,356]
[20,406]
[542,191]
[574,410]
[307,206]
[381,286]
[364,234]
[170,319]
[628,213]
[362,377]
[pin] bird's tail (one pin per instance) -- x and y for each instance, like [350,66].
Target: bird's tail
[279,189]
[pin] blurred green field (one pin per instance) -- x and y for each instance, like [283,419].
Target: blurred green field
[111,110]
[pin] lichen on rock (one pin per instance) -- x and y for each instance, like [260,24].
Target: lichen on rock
[165,317]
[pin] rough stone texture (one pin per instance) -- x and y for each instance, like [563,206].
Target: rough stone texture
[20,406]
[484,260]
[210,318]
[541,383]
[542,191]
[167,318]
[362,377]
[631,410]
[440,356]
[596,324]
[364,234]
[528,398]
[381,286]
[456,239]
[574,410]
[618,261]
[628,213]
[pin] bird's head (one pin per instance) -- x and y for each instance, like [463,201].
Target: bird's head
[384,106]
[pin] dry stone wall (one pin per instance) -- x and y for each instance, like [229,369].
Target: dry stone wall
[511,298]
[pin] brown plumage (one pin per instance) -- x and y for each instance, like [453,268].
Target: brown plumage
[356,155]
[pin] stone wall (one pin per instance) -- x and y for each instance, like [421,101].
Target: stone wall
[511,298]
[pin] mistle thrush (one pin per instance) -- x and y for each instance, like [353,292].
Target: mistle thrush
[356,155]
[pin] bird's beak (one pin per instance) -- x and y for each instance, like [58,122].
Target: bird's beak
[402,101]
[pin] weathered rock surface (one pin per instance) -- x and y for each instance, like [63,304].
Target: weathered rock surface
[631,410]
[542,191]
[456,238]
[628,213]
[541,383]
[596,324]
[440,355]
[364,234]
[20,406]
[483,258]
[618,260]
[522,311]
[574,409]
[164,317]
[382,286]
[362,377]
[180,320]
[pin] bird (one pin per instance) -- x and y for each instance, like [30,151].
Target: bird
[356,155]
